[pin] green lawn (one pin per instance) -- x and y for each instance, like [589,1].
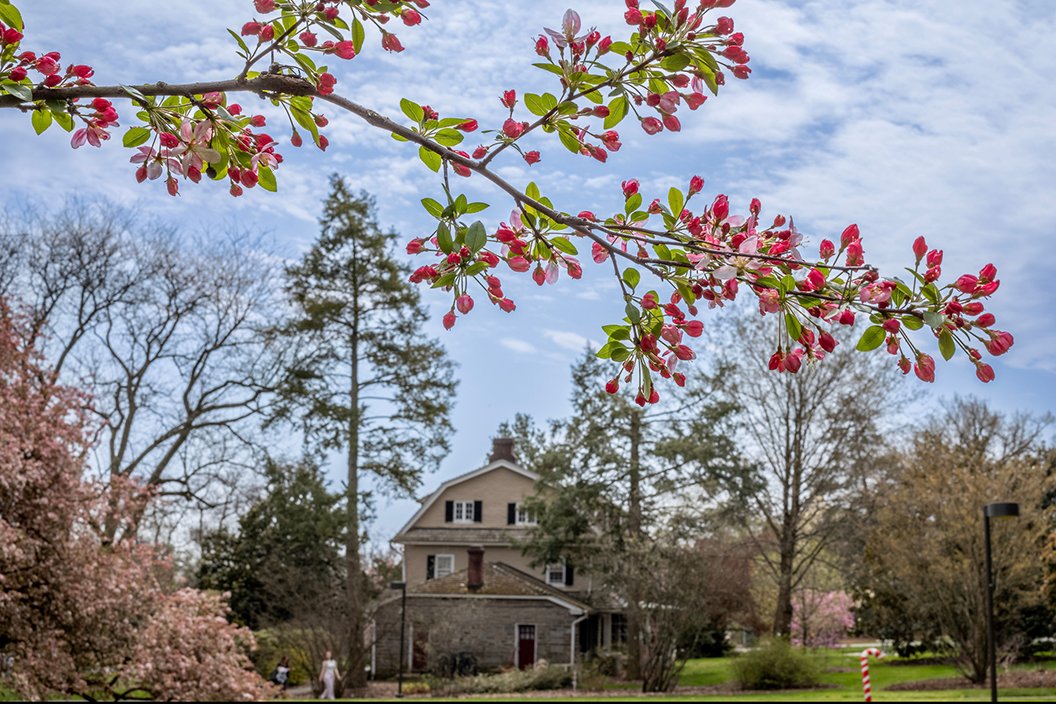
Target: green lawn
[884,673]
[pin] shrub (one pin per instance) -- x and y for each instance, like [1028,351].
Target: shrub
[541,677]
[775,665]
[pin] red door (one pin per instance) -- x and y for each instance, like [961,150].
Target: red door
[525,647]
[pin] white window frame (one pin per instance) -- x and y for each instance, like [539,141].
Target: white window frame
[436,565]
[524,517]
[462,512]
[553,567]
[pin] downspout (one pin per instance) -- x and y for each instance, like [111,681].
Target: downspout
[572,653]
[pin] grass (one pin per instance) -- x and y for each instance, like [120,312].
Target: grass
[848,685]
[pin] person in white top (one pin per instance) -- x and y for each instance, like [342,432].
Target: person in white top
[328,674]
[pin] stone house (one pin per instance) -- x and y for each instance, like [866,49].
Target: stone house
[470,589]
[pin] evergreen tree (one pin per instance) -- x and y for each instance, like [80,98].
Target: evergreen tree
[622,471]
[286,555]
[367,380]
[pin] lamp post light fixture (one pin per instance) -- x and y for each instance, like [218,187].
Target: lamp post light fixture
[402,587]
[1002,510]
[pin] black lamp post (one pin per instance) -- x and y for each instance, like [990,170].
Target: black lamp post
[402,586]
[1006,510]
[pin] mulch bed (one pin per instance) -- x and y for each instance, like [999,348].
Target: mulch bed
[1026,679]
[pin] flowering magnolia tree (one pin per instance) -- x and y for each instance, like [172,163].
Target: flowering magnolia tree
[670,255]
[821,619]
[79,614]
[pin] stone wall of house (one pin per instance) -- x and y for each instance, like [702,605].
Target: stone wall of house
[485,627]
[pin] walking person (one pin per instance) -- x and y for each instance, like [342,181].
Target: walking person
[281,675]
[329,675]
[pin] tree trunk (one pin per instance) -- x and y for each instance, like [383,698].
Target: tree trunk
[355,676]
[782,624]
[634,524]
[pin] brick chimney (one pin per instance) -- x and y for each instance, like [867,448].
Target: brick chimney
[475,579]
[502,449]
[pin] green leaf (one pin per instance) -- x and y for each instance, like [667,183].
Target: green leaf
[551,68]
[932,294]
[359,35]
[23,93]
[449,138]
[267,179]
[10,16]
[676,201]
[873,337]
[563,245]
[534,103]
[619,48]
[433,207]
[631,276]
[430,158]
[475,207]
[633,313]
[443,238]
[412,110]
[934,320]
[135,137]
[620,354]
[569,140]
[946,346]
[912,322]
[476,236]
[793,326]
[675,63]
[41,120]
[63,120]
[633,203]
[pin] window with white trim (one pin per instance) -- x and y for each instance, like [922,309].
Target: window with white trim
[445,565]
[525,517]
[555,574]
[463,512]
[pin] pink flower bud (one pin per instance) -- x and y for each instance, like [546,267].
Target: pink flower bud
[464,303]
[507,305]
[966,283]
[308,38]
[985,373]
[449,320]
[410,17]
[509,98]
[389,42]
[251,29]
[651,125]
[519,264]
[934,258]
[987,273]
[694,328]
[613,385]
[850,234]
[892,325]
[347,50]
[542,47]
[920,247]
[696,185]
[467,126]
[827,249]
[925,368]
[531,157]
[512,128]
[985,320]
[846,317]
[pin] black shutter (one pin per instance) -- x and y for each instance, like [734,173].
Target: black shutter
[478,511]
[449,511]
[569,577]
[430,567]
[511,514]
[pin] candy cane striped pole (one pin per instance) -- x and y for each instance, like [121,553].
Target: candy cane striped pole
[866,687]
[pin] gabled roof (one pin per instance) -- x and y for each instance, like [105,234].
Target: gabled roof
[501,581]
[431,499]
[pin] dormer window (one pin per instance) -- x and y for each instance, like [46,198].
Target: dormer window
[555,574]
[519,515]
[463,512]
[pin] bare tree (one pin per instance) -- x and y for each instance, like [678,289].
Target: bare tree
[162,330]
[809,437]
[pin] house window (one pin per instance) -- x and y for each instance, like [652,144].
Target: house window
[463,512]
[619,629]
[555,574]
[445,565]
[525,517]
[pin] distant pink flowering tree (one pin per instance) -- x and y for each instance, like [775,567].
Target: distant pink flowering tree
[671,255]
[821,619]
[80,615]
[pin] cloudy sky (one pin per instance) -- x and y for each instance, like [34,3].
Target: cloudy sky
[932,117]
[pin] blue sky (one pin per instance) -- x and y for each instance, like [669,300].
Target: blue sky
[931,117]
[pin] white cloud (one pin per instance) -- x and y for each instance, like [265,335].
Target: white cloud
[519,346]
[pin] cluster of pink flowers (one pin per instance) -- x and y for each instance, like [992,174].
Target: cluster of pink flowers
[192,149]
[96,124]
[723,45]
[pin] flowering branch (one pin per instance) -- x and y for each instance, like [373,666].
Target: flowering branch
[699,252]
